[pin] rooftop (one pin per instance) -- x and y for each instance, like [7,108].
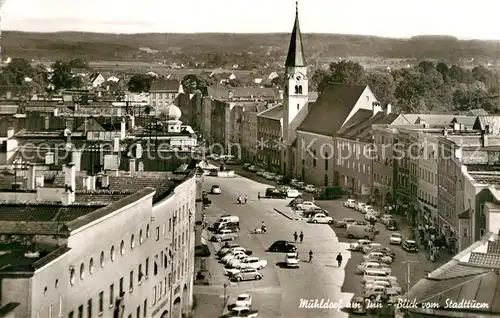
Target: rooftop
[275,112]
[472,275]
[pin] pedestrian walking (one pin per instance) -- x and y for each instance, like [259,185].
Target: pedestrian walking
[310,256]
[246,198]
[295,236]
[258,196]
[301,236]
[339,259]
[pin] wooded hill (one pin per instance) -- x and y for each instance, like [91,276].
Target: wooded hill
[96,46]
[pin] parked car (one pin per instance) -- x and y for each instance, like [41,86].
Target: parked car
[274,193]
[396,238]
[372,293]
[367,209]
[246,312]
[320,218]
[260,172]
[366,232]
[279,179]
[251,262]
[361,222]
[410,246]
[310,188]
[367,249]
[215,189]
[358,305]
[385,283]
[292,260]
[247,274]
[359,244]
[360,206]
[391,225]
[246,165]
[292,193]
[384,250]
[270,176]
[313,212]
[253,168]
[300,185]
[306,206]
[350,203]
[363,267]
[381,257]
[344,222]
[386,218]
[282,247]
[243,300]
[370,217]
[230,248]
[233,263]
[229,256]
[224,235]
[294,182]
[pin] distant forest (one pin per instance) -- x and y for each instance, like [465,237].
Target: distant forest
[95,46]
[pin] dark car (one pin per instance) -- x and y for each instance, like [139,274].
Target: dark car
[282,247]
[410,246]
[273,193]
[391,225]
[206,202]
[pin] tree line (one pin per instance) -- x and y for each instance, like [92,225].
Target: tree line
[425,87]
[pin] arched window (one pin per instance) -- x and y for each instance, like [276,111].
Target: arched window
[296,89]
[300,89]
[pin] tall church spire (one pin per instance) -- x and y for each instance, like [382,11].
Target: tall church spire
[295,55]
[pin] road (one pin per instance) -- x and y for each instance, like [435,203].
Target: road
[420,265]
[279,293]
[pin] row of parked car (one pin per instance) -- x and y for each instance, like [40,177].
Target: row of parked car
[372,215]
[294,183]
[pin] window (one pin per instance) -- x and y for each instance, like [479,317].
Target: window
[145,307]
[82,270]
[91,265]
[61,301]
[138,312]
[481,210]
[111,294]
[157,233]
[121,286]
[50,311]
[146,267]
[89,308]
[131,283]
[481,232]
[101,259]
[56,283]
[140,237]
[300,89]
[45,289]
[139,274]
[296,89]
[170,224]
[80,311]
[164,227]
[298,106]
[72,276]
[71,314]
[132,242]
[465,233]
[122,247]
[112,253]
[101,302]
[147,230]
[154,295]
[326,161]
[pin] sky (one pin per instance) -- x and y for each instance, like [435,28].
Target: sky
[390,18]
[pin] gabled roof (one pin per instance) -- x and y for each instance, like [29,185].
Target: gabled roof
[275,112]
[165,85]
[492,121]
[91,124]
[477,112]
[359,118]
[295,56]
[467,121]
[331,109]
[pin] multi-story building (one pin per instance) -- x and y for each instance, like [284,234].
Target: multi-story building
[102,246]
[249,130]
[270,138]
[164,92]
[427,177]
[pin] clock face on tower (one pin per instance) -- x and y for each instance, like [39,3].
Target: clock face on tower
[298,78]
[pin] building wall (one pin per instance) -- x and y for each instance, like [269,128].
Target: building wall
[162,98]
[221,122]
[206,119]
[383,166]
[427,176]
[249,136]
[354,166]
[314,162]
[269,133]
[17,289]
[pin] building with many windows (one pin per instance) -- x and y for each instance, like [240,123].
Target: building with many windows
[113,245]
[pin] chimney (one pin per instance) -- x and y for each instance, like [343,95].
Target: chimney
[56,112]
[375,108]
[10,132]
[105,181]
[116,144]
[388,109]
[47,122]
[76,158]
[131,164]
[123,129]
[49,158]
[69,184]
[445,132]
[31,178]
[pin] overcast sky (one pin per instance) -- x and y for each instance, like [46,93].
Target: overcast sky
[393,18]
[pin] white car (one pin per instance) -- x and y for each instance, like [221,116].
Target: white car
[367,249]
[292,260]
[231,255]
[385,218]
[215,189]
[359,244]
[360,206]
[307,206]
[253,262]
[261,172]
[232,248]
[300,185]
[233,262]
[292,193]
[377,256]
[370,217]
[396,238]
[367,209]
[270,176]
[310,188]
[321,218]
[246,312]
[293,182]
[385,283]
[363,267]
[350,203]
[243,300]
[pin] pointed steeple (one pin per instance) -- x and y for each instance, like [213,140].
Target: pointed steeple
[295,55]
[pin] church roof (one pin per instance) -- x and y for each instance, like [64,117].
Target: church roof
[295,56]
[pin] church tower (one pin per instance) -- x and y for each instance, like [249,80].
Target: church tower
[296,84]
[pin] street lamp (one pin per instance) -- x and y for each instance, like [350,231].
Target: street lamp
[225,294]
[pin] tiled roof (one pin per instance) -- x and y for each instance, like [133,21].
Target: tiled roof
[360,118]
[459,270]
[331,109]
[493,247]
[492,121]
[485,259]
[254,92]
[477,112]
[467,121]
[165,85]
[275,112]
[42,212]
